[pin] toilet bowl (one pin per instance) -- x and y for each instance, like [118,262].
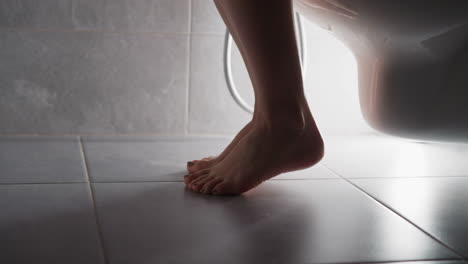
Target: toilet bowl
[412,59]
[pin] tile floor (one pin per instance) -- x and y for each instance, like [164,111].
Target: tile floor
[372,199]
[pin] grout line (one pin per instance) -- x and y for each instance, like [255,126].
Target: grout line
[91,189]
[36,183]
[154,181]
[399,214]
[189,66]
[95,30]
[181,181]
[174,135]
[101,30]
[84,160]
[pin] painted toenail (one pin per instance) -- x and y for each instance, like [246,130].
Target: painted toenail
[190,163]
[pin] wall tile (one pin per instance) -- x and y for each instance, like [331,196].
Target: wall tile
[88,82]
[115,15]
[206,18]
[212,108]
[36,14]
[132,15]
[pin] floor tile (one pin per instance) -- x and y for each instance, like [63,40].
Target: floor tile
[113,159]
[40,160]
[385,156]
[48,223]
[322,221]
[437,205]
[316,172]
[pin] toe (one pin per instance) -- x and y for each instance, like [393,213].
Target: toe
[208,187]
[197,185]
[219,188]
[186,179]
[200,165]
[199,179]
[192,166]
[191,177]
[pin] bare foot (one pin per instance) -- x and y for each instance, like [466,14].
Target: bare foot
[197,165]
[260,155]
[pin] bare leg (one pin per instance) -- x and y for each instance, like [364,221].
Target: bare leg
[284,136]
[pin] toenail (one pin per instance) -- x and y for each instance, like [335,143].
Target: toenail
[190,163]
[186,175]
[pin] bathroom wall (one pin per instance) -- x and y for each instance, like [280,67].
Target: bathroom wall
[145,67]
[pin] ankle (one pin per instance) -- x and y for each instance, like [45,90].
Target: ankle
[282,126]
[286,120]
